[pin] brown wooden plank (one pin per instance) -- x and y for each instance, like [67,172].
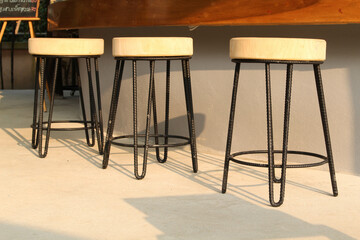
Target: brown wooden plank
[20,18]
[3,30]
[31,29]
[72,14]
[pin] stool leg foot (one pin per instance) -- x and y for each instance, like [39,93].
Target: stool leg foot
[34,137]
[321,98]
[112,113]
[43,152]
[230,129]
[190,112]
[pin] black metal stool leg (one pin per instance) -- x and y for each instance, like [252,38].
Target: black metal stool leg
[34,138]
[231,127]
[74,63]
[113,107]
[285,140]
[148,119]
[167,107]
[93,117]
[269,123]
[325,124]
[270,138]
[100,128]
[82,104]
[42,153]
[156,132]
[190,112]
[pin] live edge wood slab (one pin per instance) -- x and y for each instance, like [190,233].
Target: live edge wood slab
[75,14]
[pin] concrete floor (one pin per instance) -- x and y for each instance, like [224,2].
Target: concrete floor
[68,196]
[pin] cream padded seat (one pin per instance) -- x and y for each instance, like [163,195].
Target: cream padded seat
[152,46]
[296,49]
[66,46]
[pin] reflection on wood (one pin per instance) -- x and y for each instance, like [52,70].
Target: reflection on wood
[117,13]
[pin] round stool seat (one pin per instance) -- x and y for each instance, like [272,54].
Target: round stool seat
[288,49]
[66,46]
[152,46]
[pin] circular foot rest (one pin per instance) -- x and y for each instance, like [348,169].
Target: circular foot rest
[156,145]
[254,164]
[66,129]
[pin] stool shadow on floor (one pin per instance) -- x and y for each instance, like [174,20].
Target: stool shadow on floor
[16,112]
[17,109]
[70,141]
[81,149]
[14,231]
[17,121]
[211,177]
[209,216]
[20,139]
[178,126]
[73,143]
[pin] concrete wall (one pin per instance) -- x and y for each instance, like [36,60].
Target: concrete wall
[212,80]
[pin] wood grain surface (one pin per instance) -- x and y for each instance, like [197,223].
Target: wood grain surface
[74,14]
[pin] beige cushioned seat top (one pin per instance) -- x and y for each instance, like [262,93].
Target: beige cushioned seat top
[298,49]
[152,46]
[66,46]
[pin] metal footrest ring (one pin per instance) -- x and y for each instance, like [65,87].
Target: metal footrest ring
[152,145]
[300,165]
[65,129]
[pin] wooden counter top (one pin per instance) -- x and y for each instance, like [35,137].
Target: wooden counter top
[74,14]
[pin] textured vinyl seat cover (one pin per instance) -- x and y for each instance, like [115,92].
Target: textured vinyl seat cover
[66,46]
[152,46]
[295,49]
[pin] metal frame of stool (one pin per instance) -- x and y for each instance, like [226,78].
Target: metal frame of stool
[270,143]
[120,61]
[96,122]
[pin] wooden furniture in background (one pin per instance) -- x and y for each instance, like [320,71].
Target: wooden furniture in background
[20,11]
[75,14]
[17,11]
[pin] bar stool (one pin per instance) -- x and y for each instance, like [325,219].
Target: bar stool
[279,51]
[45,49]
[151,49]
